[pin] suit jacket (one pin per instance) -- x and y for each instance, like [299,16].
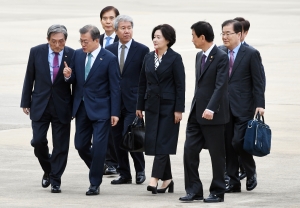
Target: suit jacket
[131,72]
[246,89]
[38,87]
[211,87]
[100,90]
[102,36]
[161,93]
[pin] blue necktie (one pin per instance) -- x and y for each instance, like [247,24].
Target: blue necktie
[107,41]
[88,65]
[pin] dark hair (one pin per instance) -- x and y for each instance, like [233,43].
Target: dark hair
[57,29]
[245,23]
[167,31]
[237,26]
[93,30]
[108,8]
[204,28]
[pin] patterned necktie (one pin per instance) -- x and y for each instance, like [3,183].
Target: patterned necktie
[55,66]
[231,61]
[203,63]
[88,65]
[122,57]
[107,41]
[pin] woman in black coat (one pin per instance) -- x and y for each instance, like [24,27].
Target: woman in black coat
[161,95]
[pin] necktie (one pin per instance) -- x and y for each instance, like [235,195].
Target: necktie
[122,58]
[107,41]
[55,66]
[231,61]
[203,63]
[88,65]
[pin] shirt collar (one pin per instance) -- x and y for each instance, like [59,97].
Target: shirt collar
[236,49]
[128,44]
[113,36]
[207,52]
[51,52]
[96,52]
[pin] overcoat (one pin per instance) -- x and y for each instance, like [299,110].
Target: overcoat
[161,93]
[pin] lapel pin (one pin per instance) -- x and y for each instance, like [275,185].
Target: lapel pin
[101,59]
[66,56]
[211,57]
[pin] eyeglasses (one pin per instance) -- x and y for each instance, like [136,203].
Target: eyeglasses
[227,34]
[83,42]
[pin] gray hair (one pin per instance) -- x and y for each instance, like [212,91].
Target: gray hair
[57,29]
[122,18]
[93,30]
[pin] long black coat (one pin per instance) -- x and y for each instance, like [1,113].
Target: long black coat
[161,93]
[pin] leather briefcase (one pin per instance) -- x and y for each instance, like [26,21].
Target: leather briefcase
[257,140]
[134,138]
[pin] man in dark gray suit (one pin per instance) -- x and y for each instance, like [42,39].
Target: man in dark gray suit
[246,99]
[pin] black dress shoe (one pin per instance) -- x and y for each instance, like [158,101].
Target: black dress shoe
[55,189]
[110,170]
[233,188]
[170,188]
[140,177]
[121,180]
[45,180]
[242,175]
[191,197]
[212,198]
[251,183]
[227,179]
[153,189]
[93,190]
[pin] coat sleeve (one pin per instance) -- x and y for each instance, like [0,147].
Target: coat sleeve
[114,84]
[142,87]
[28,81]
[179,78]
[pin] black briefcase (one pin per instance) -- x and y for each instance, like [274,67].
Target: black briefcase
[257,140]
[134,138]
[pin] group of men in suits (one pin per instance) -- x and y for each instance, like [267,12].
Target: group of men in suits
[103,76]
[229,91]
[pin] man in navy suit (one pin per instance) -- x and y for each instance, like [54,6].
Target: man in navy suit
[96,106]
[47,98]
[131,55]
[246,99]
[107,17]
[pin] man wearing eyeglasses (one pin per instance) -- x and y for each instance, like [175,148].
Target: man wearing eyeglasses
[97,99]
[246,99]
[47,98]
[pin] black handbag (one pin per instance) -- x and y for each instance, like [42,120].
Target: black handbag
[257,140]
[134,138]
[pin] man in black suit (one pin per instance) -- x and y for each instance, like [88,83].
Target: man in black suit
[209,114]
[246,99]
[130,55]
[47,98]
[107,17]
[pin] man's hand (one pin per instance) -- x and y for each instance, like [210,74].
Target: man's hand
[26,110]
[177,117]
[207,115]
[67,71]
[139,113]
[114,120]
[260,110]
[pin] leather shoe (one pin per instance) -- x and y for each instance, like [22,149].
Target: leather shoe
[233,188]
[251,183]
[190,197]
[93,190]
[140,177]
[242,175]
[45,180]
[121,180]
[55,189]
[110,170]
[212,198]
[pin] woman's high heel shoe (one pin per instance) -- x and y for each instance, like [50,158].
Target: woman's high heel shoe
[170,188]
[153,189]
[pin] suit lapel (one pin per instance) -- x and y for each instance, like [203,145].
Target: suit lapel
[209,59]
[46,62]
[150,65]
[130,55]
[198,65]
[238,58]
[167,60]
[62,66]
[96,64]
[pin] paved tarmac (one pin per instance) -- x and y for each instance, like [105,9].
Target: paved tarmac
[274,32]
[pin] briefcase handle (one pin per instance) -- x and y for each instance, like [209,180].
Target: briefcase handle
[135,122]
[257,117]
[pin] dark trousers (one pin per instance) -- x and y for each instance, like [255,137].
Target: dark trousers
[92,152]
[111,155]
[234,137]
[118,131]
[161,168]
[56,164]
[212,136]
